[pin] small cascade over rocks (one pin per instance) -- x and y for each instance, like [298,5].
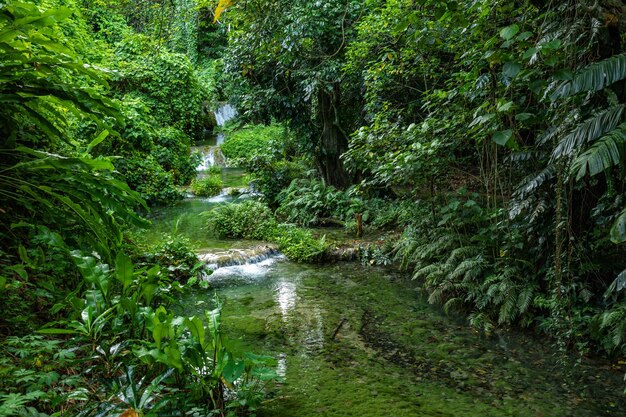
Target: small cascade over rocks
[211,156]
[243,264]
[211,153]
[232,257]
[224,113]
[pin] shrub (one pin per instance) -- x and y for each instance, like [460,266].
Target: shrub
[271,177]
[298,244]
[248,220]
[171,150]
[207,186]
[149,179]
[254,220]
[306,202]
[176,256]
[251,140]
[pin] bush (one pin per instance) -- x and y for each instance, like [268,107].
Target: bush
[176,256]
[254,220]
[171,150]
[207,186]
[251,140]
[149,179]
[298,244]
[247,220]
[271,177]
[307,202]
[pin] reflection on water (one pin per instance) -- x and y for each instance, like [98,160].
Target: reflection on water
[286,297]
[281,367]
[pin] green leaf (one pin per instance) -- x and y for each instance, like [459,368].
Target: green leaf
[594,77]
[502,137]
[23,254]
[588,131]
[509,31]
[511,69]
[102,136]
[520,117]
[124,269]
[57,331]
[505,107]
[605,153]
[233,370]
[618,231]
[196,328]
[529,53]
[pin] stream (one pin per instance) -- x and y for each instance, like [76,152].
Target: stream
[354,340]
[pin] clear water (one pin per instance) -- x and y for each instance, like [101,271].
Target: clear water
[393,354]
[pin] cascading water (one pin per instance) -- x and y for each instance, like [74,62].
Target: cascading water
[224,113]
[249,263]
[211,152]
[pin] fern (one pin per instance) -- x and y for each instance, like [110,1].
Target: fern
[459,254]
[469,268]
[429,272]
[588,131]
[595,77]
[602,155]
[532,182]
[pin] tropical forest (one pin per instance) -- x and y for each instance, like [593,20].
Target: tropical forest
[299,208]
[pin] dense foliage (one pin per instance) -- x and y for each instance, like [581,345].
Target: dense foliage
[499,123]
[254,220]
[89,133]
[489,136]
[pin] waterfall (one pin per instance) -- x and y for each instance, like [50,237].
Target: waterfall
[224,113]
[243,264]
[211,153]
[211,156]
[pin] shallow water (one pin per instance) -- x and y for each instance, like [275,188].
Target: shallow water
[185,218]
[392,354]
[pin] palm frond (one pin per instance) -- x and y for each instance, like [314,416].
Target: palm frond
[588,131]
[602,155]
[595,77]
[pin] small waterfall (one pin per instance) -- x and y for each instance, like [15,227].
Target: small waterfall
[224,113]
[240,263]
[211,156]
[234,257]
[211,153]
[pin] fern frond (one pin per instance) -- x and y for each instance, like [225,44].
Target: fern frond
[602,155]
[459,254]
[524,299]
[588,131]
[429,271]
[471,267]
[443,244]
[595,77]
[540,208]
[508,312]
[531,183]
[451,303]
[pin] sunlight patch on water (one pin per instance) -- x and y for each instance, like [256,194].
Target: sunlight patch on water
[281,367]
[286,297]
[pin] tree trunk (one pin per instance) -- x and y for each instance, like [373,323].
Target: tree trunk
[333,141]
